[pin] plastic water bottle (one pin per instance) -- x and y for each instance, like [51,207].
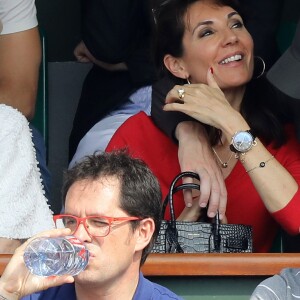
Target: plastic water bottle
[56,256]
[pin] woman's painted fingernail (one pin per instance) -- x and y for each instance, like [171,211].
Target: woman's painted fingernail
[189,205]
[211,70]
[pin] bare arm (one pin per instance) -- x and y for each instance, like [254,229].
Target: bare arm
[20,56]
[207,104]
[194,154]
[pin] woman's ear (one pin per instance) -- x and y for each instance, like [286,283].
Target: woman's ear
[175,66]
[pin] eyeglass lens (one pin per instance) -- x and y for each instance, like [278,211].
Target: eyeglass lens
[95,226]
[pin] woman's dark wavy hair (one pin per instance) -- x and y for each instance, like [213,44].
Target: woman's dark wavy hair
[258,107]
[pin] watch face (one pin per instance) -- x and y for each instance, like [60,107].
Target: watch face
[242,141]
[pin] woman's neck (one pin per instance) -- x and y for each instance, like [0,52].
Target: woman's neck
[235,96]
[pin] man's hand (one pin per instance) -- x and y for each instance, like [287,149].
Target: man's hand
[17,281]
[83,55]
[195,154]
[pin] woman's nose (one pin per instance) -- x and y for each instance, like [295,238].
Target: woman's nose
[230,37]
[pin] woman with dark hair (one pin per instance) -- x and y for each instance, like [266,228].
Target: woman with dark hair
[208,52]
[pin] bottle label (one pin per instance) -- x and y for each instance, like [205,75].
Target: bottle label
[80,248]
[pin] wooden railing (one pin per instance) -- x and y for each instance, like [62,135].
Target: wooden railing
[245,264]
[231,264]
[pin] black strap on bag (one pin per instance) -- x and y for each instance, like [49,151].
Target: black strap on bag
[213,237]
[172,233]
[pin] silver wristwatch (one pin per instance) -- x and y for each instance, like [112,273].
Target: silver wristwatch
[242,141]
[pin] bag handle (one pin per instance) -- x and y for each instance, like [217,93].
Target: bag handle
[174,189]
[169,199]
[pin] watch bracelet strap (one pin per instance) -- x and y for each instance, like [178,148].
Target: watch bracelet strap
[251,131]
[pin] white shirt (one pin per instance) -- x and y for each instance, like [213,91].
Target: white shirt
[17,15]
[98,137]
[24,209]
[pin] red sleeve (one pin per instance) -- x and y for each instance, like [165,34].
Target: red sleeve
[289,156]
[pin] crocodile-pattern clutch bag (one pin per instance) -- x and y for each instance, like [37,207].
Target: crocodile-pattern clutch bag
[199,237]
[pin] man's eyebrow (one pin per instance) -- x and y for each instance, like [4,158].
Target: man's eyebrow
[230,15]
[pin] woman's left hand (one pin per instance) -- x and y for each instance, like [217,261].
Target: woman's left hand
[203,102]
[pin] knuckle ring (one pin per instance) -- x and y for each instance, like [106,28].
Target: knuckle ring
[180,93]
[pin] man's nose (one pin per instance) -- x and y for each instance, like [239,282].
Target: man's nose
[81,233]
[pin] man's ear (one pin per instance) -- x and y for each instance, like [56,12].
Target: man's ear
[175,66]
[144,233]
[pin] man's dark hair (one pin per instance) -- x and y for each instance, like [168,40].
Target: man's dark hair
[140,194]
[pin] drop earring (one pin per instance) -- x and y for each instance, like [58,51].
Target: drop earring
[187,79]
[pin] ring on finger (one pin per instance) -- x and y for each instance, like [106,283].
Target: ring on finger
[181,93]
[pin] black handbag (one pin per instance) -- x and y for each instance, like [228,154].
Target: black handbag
[199,237]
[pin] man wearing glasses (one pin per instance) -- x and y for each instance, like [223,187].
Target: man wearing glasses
[113,205]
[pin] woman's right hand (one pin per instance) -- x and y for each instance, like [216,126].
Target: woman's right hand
[195,213]
[195,154]
[17,281]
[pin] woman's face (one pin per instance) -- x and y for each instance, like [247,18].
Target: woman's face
[215,37]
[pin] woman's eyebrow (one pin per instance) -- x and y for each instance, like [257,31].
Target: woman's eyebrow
[202,23]
[230,15]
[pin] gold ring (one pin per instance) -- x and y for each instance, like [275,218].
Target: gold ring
[180,94]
